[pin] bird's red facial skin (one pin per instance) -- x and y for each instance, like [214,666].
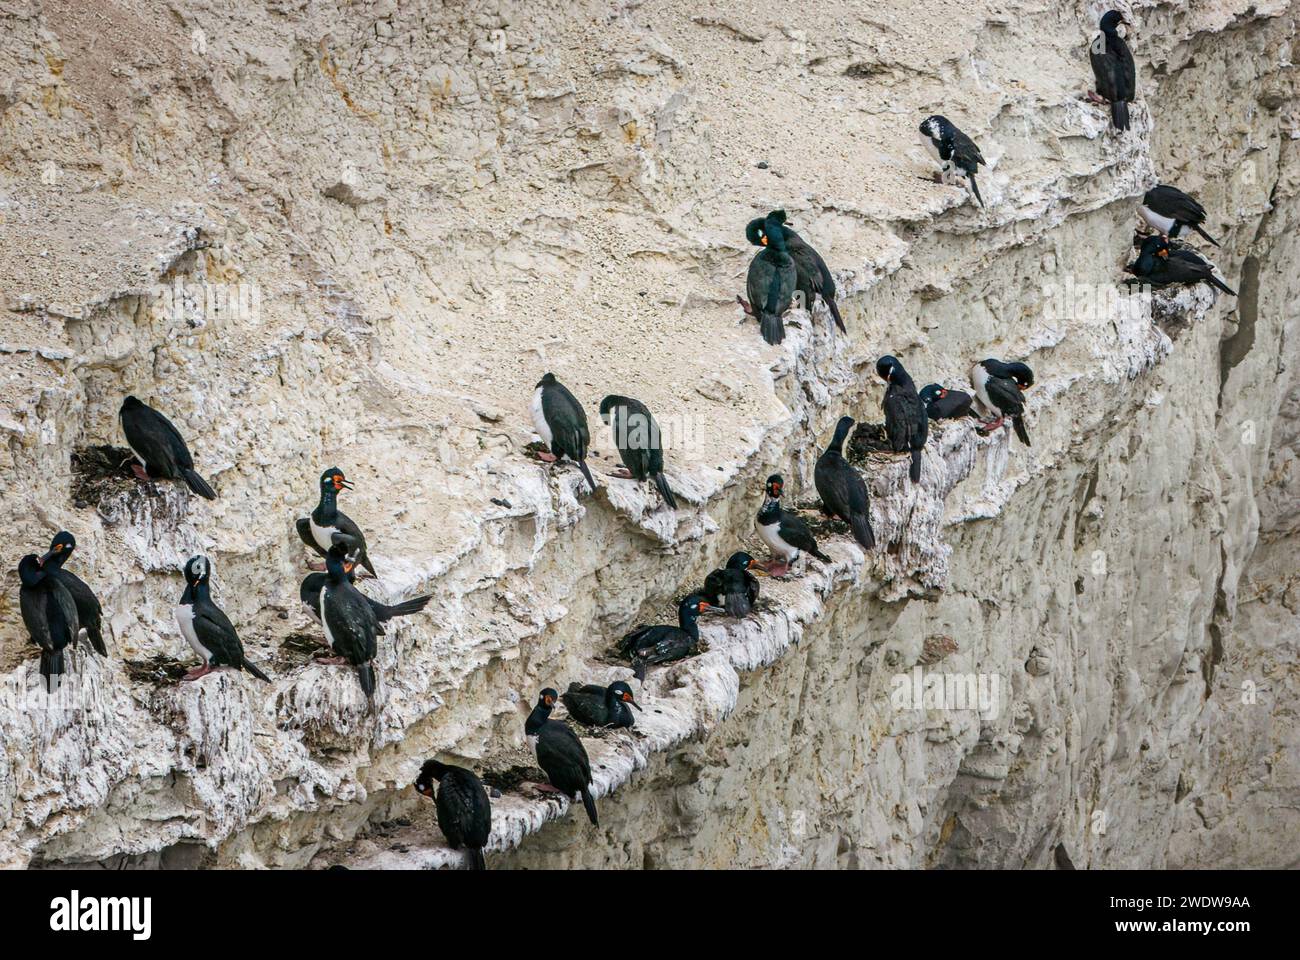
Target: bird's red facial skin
[627,698]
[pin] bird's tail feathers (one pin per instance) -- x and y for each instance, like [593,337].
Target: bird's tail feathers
[772,327]
[665,491]
[975,188]
[1018,422]
[915,471]
[199,485]
[1205,235]
[1220,285]
[255,671]
[476,860]
[406,607]
[1119,114]
[862,532]
[586,472]
[835,313]
[366,674]
[589,802]
[52,669]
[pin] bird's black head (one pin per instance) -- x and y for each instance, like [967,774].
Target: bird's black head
[337,563]
[692,606]
[932,392]
[432,771]
[621,691]
[740,561]
[547,698]
[131,403]
[755,233]
[608,405]
[332,481]
[1021,374]
[935,126]
[61,548]
[548,380]
[29,570]
[1111,20]
[197,570]
[888,367]
[774,486]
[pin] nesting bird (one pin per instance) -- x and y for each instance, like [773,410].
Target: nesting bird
[328,526]
[954,150]
[599,706]
[1169,211]
[1113,68]
[734,588]
[159,447]
[462,805]
[639,442]
[812,277]
[1161,264]
[906,423]
[207,628]
[560,421]
[89,612]
[664,643]
[842,489]
[786,534]
[999,388]
[560,753]
[772,277]
[50,615]
[941,403]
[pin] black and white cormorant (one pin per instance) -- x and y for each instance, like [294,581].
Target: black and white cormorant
[89,612]
[50,615]
[560,421]
[1169,211]
[812,277]
[999,388]
[159,447]
[464,811]
[663,643]
[906,422]
[942,403]
[208,630]
[1112,65]
[351,626]
[954,150]
[560,753]
[639,442]
[1161,264]
[772,278]
[734,588]
[786,534]
[313,583]
[327,526]
[841,488]
[599,706]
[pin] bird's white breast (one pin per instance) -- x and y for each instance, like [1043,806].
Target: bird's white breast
[185,620]
[324,536]
[324,620]
[539,419]
[979,379]
[771,534]
[1156,221]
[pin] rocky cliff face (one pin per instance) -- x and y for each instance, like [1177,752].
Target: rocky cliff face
[355,235]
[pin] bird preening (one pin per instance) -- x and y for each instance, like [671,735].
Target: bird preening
[956,151]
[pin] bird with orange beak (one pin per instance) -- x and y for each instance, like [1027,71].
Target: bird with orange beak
[328,526]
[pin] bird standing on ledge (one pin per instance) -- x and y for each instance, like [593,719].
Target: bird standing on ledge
[842,489]
[772,277]
[560,753]
[159,447]
[734,588]
[1113,68]
[208,630]
[906,422]
[954,150]
[89,612]
[999,388]
[50,615]
[560,421]
[328,526]
[786,534]
[464,811]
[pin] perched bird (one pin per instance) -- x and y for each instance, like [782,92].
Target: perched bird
[734,588]
[464,812]
[1172,212]
[313,583]
[50,615]
[349,621]
[999,389]
[663,642]
[159,447]
[560,753]
[560,422]
[1112,65]
[599,706]
[944,404]
[772,278]
[328,526]
[640,445]
[1162,264]
[812,277]
[954,149]
[786,534]
[89,612]
[906,422]
[843,492]
[208,630]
